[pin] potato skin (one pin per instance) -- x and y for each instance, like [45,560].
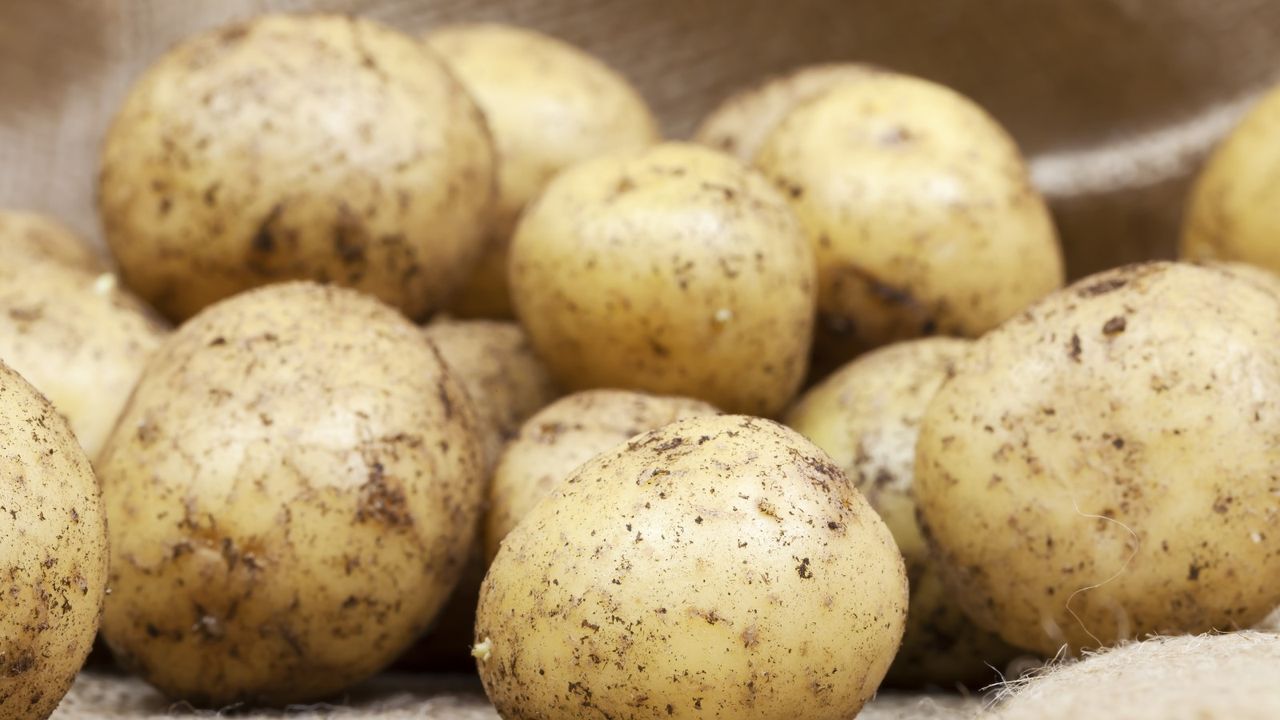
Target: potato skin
[716,567]
[920,210]
[867,417]
[296,147]
[562,436]
[79,339]
[548,105]
[53,561]
[742,121]
[674,270]
[293,490]
[1103,466]
[27,237]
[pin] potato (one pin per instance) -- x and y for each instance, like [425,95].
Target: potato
[54,553]
[292,489]
[867,416]
[920,210]
[1231,214]
[499,370]
[549,105]
[673,270]
[27,237]
[296,147]
[1103,466]
[78,338]
[740,123]
[1260,277]
[716,567]
[564,435]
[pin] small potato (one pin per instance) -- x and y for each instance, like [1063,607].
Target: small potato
[53,553]
[1103,466]
[549,105]
[27,237]
[1233,211]
[296,147]
[718,567]
[293,489]
[497,366]
[675,270]
[78,338]
[920,209]
[867,417]
[742,121]
[564,435]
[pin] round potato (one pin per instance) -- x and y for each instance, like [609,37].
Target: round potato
[296,147]
[564,435]
[1232,212]
[549,105]
[27,237]
[920,210]
[54,553]
[715,567]
[742,121]
[674,270]
[293,489]
[79,339]
[1103,466]
[867,417]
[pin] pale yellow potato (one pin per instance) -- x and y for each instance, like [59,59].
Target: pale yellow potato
[674,270]
[549,105]
[293,490]
[867,417]
[565,434]
[54,553]
[79,339]
[499,370]
[741,122]
[296,147]
[27,237]
[1259,276]
[1232,213]
[718,567]
[1103,466]
[920,209]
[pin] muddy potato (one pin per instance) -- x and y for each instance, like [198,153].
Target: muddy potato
[673,270]
[718,567]
[53,554]
[740,123]
[293,489]
[27,237]
[548,105]
[867,417]
[296,147]
[564,435]
[1103,465]
[920,210]
[79,339]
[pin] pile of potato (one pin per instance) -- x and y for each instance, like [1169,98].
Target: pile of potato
[741,427]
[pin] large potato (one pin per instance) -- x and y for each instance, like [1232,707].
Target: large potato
[674,270]
[549,105]
[718,567]
[296,147]
[292,489]
[1232,213]
[27,237]
[76,337]
[1104,465]
[867,417]
[741,122]
[53,553]
[564,435]
[920,210]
